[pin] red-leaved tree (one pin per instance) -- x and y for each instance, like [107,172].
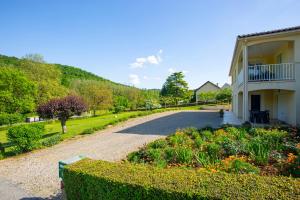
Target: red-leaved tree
[62,108]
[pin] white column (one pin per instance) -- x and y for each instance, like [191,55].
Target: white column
[245,89]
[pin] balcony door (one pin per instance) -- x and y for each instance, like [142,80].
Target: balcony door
[255,102]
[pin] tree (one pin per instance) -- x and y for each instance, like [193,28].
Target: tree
[47,77]
[96,95]
[34,57]
[165,100]
[224,95]
[62,108]
[120,103]
[207,96]
[17,93]
[176,87]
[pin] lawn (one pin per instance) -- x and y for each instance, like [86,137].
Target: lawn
[243,150]
[78,126]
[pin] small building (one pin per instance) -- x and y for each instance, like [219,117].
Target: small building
[226,86]
[206,87]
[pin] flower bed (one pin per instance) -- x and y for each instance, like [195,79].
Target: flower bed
[233,150]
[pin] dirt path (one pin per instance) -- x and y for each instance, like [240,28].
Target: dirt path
[36,173]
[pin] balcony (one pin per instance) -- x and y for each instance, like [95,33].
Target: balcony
[271,72]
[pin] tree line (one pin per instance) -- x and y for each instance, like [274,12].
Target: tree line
[30,86]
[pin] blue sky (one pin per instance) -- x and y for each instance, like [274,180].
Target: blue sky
[140,42]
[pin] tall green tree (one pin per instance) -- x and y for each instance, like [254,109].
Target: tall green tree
[207,96]
[17,93]
[47,77]
[96,95]
[176,87]
[224,95]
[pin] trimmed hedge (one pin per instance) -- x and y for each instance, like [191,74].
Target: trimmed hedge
[26,137]
[90,179]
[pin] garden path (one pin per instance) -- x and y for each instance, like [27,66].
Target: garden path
[35,175]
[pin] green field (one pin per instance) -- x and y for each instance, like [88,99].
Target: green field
[77,126]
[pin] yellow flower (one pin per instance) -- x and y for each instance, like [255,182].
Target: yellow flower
[291,158]
[298,146]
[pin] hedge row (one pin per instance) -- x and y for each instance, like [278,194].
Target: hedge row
[7,119]
[89,179]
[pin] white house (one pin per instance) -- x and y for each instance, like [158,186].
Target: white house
[265,72]
[206,87]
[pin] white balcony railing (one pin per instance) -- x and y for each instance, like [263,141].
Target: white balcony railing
[272,72]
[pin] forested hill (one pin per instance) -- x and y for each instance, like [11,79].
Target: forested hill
[69,73]
[38,82]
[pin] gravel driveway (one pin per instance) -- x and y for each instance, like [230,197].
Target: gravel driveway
[35,174]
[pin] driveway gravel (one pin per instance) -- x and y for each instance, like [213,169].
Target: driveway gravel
[35,175]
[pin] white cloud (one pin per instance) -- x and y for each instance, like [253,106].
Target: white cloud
[151,78]
[134,79]
[152,59]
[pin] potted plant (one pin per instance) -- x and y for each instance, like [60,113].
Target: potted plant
[221,112]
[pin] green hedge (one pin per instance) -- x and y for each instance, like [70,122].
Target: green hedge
[26,137]
[6,118]
[89,179]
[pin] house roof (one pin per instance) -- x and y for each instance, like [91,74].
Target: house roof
[226,85]
[270,32]
[258,34]
[207,83]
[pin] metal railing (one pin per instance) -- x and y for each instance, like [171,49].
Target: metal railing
[271,72]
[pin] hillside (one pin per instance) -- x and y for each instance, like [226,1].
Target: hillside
[47,81]
[69,72]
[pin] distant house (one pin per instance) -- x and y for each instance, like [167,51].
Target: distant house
[206,87]
[225,86]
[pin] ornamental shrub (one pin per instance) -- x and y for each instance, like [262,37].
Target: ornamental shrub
[8,119]
[26,137]
[160,143]
[90,179]
[52,140]
[184,155]
[259,150]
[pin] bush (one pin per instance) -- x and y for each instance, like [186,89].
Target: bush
[259,150]
[160,143]
[89,179]
[179,139]
[242,167]
[170,154]
[154,154]
[198,142]
[135,157]
[206,135]
[8,119]
[213,150]
[26,137]
[184,155]
[51,141]
[202,159]
[88,131]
